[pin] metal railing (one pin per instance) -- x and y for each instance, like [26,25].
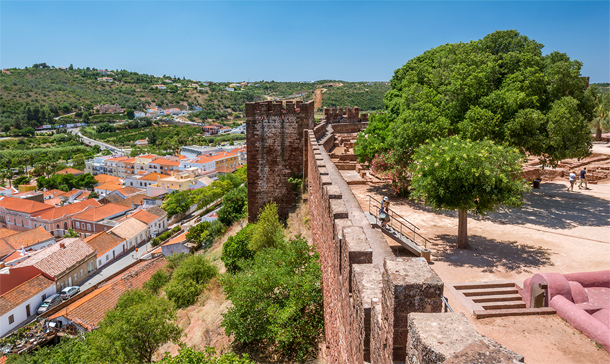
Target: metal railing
[398,223]
[446,306]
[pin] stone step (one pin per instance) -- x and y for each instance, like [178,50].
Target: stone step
[513,312]
[503,305]
[478,285]
[498,298]
[403,240]
[490,291]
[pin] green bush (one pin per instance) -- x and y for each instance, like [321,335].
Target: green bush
[187,355]
[234,206]
[157,280]
[268,232]
[277,301]
[235,250]
[189,279]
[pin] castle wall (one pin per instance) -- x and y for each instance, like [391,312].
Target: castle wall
[274,139]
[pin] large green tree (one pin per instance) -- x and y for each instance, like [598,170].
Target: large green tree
[500,88]
[477,177]
[134,329]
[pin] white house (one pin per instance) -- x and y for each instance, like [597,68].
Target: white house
[203,162]
[108,246]
[139,114]
[160,87]
[132,231]
[18,302]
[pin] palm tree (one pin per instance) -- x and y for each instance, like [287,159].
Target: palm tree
[602,111]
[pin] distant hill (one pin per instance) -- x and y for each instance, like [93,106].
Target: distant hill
[37,95]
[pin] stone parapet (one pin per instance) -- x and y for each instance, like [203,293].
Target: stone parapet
[450,338]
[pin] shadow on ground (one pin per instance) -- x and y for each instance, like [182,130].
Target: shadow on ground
[551,206]
[490,255]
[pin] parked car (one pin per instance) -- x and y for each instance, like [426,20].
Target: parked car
[49,303]
[68,292]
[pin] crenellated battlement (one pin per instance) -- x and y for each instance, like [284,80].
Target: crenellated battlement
[279,108]
[345,115]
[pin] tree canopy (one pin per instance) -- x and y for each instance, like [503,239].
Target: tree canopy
[500,88]
[456,174]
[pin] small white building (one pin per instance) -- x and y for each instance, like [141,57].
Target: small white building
[108,246]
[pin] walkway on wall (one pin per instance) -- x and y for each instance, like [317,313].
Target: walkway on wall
[398,229]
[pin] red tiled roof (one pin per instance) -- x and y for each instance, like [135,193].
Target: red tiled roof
[148,156]
[165,162]
[55,260]
[4,232]
[5,249]
[103,242]
[223,155]
[16,254]
[152,177]
[68,210]
[156,210]
[28,238]
[54,192]
[70,171]
[21,205]
[128,190]
[145,216]
[52,201]
[177,240]
[129,228]
[80,193]
[23,292]
[203,159]
[101,212]
[117,159]
[105,178]
[90,310]
[225,169]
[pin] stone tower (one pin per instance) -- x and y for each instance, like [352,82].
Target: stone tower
[274,133]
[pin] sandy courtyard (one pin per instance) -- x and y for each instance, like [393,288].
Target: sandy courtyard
[556,231]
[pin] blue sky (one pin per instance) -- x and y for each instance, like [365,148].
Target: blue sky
[285,40]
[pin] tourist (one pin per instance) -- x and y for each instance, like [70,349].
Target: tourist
[384,213]
[572,181]
[583,178]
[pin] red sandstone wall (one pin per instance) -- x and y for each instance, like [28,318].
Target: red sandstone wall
[275,152]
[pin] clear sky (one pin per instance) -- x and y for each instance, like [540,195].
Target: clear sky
[285,40]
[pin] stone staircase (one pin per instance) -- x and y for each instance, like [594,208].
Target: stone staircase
[494,299]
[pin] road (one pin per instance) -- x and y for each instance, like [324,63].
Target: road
[115,266]
[92,142]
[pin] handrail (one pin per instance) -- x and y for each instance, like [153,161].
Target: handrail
[446,304]
[408,231]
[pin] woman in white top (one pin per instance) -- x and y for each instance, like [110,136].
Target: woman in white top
[572,181]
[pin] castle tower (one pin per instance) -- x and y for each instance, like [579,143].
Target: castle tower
[274,132]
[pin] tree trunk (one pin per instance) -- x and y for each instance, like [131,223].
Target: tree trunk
[598,133]
[462,242]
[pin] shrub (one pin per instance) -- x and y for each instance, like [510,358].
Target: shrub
[235,249]
[268,232]
[157,280]
[189,279]
[277,300]
[187,355]
[234,206]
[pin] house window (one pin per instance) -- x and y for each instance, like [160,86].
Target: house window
[81,272]
[11,319]
[44,296]
[107,259]
[75,276]
[77,225]
[100,262]
[91,266]
[63,285]
[88,227]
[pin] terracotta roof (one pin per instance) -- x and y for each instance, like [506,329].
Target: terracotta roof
[52,202]
[181,238]
[103,242]
[55,260]
[148,156]
[145,217]
[203,159]
[4,232]
[90,310]
[129,160]
[156,210]
[129,228]
[152,177]
[5,249]
[110,186]
[21,205]
[225,169]
[28,238]
[126,191]
[113,198]
[117,159]
[54,192]
[16,254]
[105,178]
[135,199]
[68,210]
[102,212]
[80,193]
[165,162]
[23,292]
[70,171]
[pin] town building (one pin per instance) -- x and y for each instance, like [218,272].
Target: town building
[68,262]
[107,245]
[16,214]
[33,239]
[132,231]
[98,219]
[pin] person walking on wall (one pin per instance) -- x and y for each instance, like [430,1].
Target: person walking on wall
[583,178]
[384,213]
[572,181]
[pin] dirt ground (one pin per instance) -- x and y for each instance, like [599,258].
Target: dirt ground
[556,231]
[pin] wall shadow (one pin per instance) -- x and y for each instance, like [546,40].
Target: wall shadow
[551,206]
[489,254]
